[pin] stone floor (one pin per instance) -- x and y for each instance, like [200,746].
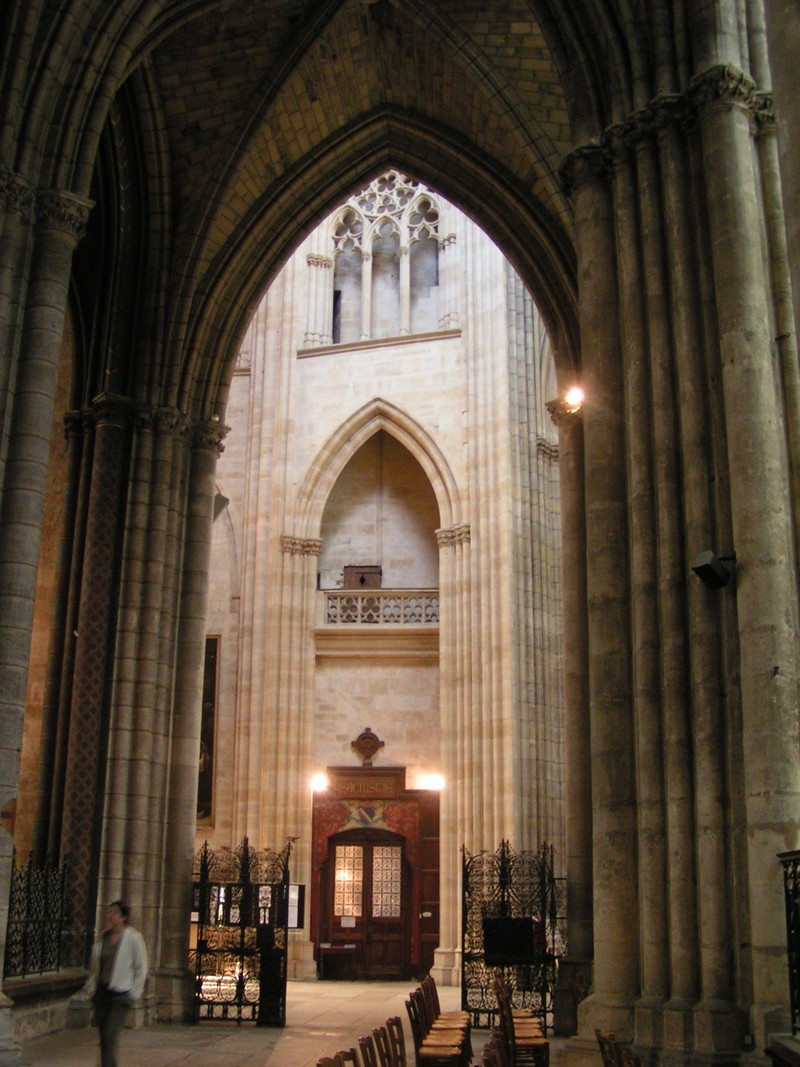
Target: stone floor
[321,1018]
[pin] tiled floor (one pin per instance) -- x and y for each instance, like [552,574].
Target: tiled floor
[321,1018]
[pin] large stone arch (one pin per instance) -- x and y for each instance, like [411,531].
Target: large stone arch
[341,446]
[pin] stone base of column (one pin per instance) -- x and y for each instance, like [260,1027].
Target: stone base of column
[598,1012]
[678,1016]
[766,1020]
[79,1010]
[300,963]
[718,1028]
[10,1052]
[174,995]
[446,968]
[648,1022]
[574,982]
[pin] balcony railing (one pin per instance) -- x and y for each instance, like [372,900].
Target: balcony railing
[381,607]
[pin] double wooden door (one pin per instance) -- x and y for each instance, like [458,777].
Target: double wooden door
[366,905]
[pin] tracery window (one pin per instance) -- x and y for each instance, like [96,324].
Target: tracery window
[385,261]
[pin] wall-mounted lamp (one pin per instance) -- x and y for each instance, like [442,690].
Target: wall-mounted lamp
[568,404]
[712,570]
[319,783]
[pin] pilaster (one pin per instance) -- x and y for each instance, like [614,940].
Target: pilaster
[615,883]
[173,982]
[60,223]
[109,441]
[765,588]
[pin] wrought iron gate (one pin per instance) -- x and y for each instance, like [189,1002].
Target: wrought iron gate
[239,917]
[791,890]
[512,920]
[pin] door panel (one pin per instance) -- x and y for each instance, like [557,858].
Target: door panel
[369,903]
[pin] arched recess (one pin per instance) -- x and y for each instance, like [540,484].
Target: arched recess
[532,238]
[339,449]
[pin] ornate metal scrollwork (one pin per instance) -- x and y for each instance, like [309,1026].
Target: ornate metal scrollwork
[240,914]
[35,919]
[513,921]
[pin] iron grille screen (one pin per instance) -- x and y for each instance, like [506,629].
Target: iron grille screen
[35,920]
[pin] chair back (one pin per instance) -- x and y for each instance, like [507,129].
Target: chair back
[417,1035]
[397,1040]
[423,1007]
[428,989]
[380,1035]
[368,1054]
[348,1055]
[328,1061]
[609,1049]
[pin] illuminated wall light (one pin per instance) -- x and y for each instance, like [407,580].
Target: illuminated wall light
[574,398]
[434,782]
[319,783]
[568,404]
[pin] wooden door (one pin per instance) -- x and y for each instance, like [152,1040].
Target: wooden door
[366,892]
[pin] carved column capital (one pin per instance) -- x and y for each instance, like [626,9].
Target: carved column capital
[764,115]
[208,436]
[16,194]
[586,164]
[300,546]
[460,534]
[111,408]
[60,210]
[723,85]
[563,412]
[313,259]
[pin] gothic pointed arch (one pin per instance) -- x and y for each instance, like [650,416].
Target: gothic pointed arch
[343,444]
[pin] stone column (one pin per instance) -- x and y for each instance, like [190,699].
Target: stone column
[51,755]
[88,708]
[714,1025]
[16,219]
[454,820]
[366,295]
[448,283]
[643,329]
[138,754]
[60,223]
[173,982]
[615,882]
[405,289]
[319,311]
[288,716]
[766,573]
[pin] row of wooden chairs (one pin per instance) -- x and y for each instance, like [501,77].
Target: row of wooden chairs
[441,1039]
[519,1040]
[384,1047]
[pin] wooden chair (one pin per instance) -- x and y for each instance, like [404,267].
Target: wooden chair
[615,1054]
[368,1054]
[328,1061]
[348,1056]
[431,994]
[628,1057]
[386,1058]
[445,1051]
[609,1049]
[434,1027]
[397,1039]
[525,1045]
[494,1052]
